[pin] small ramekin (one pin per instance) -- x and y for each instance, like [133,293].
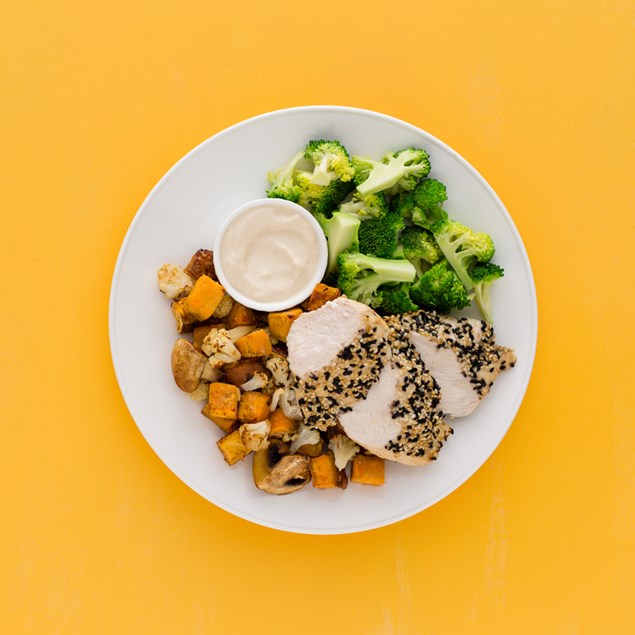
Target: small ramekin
[298,297]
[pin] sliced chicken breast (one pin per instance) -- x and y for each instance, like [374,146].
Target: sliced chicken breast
[337,353]
[399,418]
[460,353]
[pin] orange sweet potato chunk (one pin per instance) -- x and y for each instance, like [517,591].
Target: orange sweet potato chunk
[321,295]
[203,299]
[254,344]
[281,425]
[254,407]
[369,470]
[223,401]
[240,315]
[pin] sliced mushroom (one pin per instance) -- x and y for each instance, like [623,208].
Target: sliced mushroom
[187,365]
[277,472]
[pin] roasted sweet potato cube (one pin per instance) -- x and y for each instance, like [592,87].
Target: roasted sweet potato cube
[311,449]
[241,316]
[232,447]
[226,425]
[254,407]
[203,298]
[281,425]
[280,322]
[321,295]
[239,372]
[324,472]
[368,469]
[223,400]
[254,344]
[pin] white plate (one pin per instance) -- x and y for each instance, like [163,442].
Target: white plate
[181,215]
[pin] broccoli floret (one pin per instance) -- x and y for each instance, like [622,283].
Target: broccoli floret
[439,288]
[331,160]
[282,180]
[483,275]
[341,235]
[380,236]
[396,172]
[423,206]
[365,207]
[463,248]
[397,300]
[321,199]
[420,248]
[360,276]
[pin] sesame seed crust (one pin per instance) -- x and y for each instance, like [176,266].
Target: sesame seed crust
[472,341]
[335,388]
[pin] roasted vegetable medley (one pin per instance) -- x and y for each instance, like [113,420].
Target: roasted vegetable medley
[233,360]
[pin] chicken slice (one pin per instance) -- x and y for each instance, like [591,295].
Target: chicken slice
[460,353]
[399,418]
[336,353]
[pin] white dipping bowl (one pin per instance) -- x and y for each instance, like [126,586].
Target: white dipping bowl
[300,295]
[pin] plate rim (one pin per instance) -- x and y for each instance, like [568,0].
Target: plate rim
[456,483]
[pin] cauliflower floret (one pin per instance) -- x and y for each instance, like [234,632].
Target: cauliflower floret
[286,400]
[280,371]
[220,349]
[254,435]
[305,436]
[257,382]
[343,448]
[174,281]
[224,307]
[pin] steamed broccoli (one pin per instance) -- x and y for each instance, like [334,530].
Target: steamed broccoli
[396,299]
[439,288]
[321,199]
[365,207]
[331,160]
[380,236]
[341,235]
[397,171]
[423,206]
[420,248]
[482,277]
[360,276]
[463,248]
[282,180]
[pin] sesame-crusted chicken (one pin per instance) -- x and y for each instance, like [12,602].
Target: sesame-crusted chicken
[336,353]
[460,353]
[398,419]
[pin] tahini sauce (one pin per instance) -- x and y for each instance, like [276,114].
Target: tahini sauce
[269,253]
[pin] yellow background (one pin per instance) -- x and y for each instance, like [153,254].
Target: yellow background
[98,99]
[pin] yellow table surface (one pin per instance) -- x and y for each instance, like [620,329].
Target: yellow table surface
[98,100]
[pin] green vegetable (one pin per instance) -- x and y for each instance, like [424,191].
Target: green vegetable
[321,199]
[379,236]
[420,248]
[440,289]
[423,206]
[365,207]
[396,299]
[360,276]
[483,275]
[341,235]
[463,248]
[397,171]
[331,161]
[282,180]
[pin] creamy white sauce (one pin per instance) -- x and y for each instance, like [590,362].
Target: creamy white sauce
[269,253]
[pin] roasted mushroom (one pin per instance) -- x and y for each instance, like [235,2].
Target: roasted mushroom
[277,472]
[187,365]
